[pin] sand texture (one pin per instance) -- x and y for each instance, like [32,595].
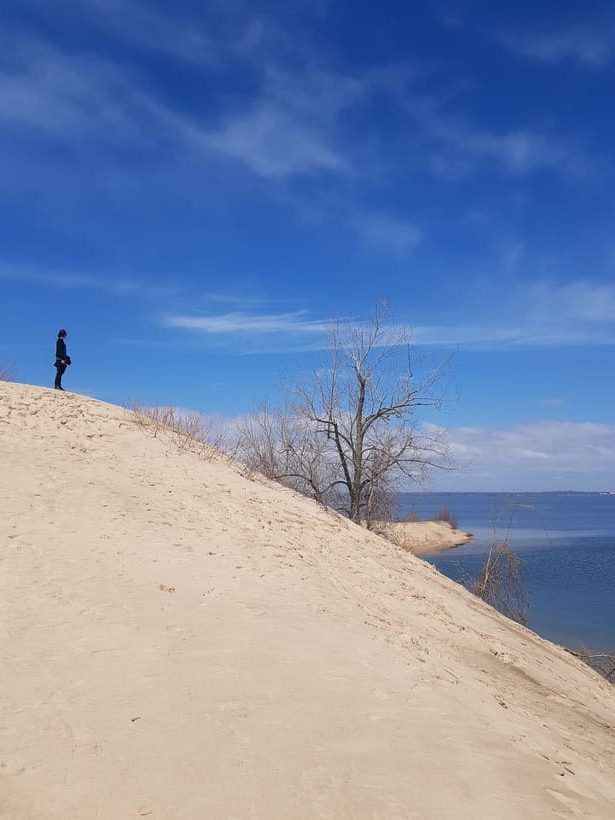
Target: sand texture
[182,643]
[424,537]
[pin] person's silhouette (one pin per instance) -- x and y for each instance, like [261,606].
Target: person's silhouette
[62,359]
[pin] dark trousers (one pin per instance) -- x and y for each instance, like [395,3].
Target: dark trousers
[60,371]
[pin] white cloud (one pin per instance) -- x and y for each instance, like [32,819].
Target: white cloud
[518,151]
[521,151]
[579,313]
[136,23]
[242,323]
[140,25]
[579,301]
[291,127]
[272,144]
[291,123]
[69,280]
[539,456]
[286,128]
[389,232]
[591,43]
[71,98]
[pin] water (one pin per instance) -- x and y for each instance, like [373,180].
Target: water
[566,543]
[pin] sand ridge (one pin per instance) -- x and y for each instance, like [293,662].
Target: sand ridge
[424,537]
[181,642]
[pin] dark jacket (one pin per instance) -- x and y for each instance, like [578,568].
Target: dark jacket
[61,351]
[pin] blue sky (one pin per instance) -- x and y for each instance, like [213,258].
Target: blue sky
[194,190]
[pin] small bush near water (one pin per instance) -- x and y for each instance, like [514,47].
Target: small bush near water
[411,517]
[444,514]
[500,582]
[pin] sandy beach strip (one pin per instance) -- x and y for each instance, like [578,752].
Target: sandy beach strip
[424,537]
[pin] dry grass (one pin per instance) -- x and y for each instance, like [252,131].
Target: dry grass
[444,514]
[188,431]
[411,517]
[5,373]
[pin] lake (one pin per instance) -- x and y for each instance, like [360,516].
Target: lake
[566,544]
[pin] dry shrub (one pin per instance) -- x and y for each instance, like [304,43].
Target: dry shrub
[282,446]
[500,582]
[412,517]
[188,431]
[5,373]
[444,514]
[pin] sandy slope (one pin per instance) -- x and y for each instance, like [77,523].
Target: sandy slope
[180,642]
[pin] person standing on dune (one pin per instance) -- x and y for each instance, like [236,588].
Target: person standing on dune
[62,359]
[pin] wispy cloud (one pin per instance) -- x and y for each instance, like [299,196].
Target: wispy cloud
[540,456]
[136,23]
[292,122]
[273,144]
[292,126]
[387,231]
[286,128]
[241,301]
[167,33]
[457,145]
[70,280]
[493,337]
[82,100]
[543,316]
[237,322]
[578,301]
[589,42]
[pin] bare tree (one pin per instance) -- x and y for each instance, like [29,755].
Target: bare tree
[351,434]
[365,405]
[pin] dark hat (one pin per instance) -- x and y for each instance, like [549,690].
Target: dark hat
[61,334]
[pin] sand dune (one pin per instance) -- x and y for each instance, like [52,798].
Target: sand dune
[179,642]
